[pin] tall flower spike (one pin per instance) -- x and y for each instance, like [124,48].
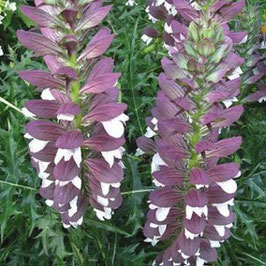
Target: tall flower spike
[191,207]
[255,67]
[76,147]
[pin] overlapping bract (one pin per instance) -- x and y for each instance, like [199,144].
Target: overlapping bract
[76,147]
[190,209]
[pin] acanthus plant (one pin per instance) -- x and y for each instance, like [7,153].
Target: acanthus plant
[77,136]
[190,210]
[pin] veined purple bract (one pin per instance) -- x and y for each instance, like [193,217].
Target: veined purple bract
[76,147]
[191,207]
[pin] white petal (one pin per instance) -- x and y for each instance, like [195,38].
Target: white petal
[236,74]
[103,201]
[215,244]
[220,229]
[28,136]
[109,156]
[262,99]
[157,183]
[66,225]
[67,154]
[37,145]
[145,38]
[49,203]
[77,182]
[162,229]
[116,185]
[229,225]
[152,225]
[73,206]
[228,186]
[65,117]
[105,188]
[223,208]
[115,127]
[100,214]
[229,102]
[190,235]
[43,165]
[200,261]
[62,153]
[46,183]
[43,175]
[156,162]
[238,174]
[161,214]
[77,156]
[244,40]
[184,256]
[198,210]
[150,133]
[108,213]
[27,113]
[139,152]
[47,95]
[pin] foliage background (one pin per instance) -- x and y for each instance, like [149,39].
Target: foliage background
[31,233]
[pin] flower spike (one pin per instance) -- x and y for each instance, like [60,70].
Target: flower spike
[191,207]
[76,141]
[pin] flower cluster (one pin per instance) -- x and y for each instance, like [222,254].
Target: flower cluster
[257,72]
[76,147]
[166,11]
[191,207]
[252,50]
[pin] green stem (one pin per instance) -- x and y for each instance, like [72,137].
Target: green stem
[17,185]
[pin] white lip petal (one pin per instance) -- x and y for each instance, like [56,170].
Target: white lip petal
[27,113]
[105,188]
[145,38]
[190,235]
[37,145]
[65,117]
[67,154]
[229,102]
[162,229]
[46,183]
[116,185]
[156,162]
[73,206]
[220,229]
[103,201]
[161,214]
[115,126]
[223,208]
[77,182]
[198,210]
[28,136]
[200,261]
[150,133]
[228,186]
[139,152]
[215,244]
[47,95]
[110,156]
[49,203]
[262,99]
